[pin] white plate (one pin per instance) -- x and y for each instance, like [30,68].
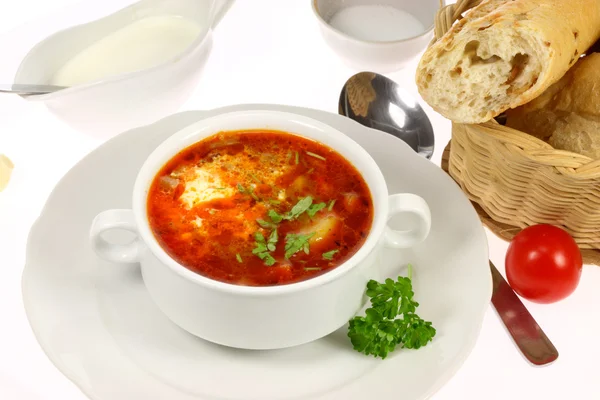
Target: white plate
[98,325]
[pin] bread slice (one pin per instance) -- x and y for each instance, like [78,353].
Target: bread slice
[567,114]
[503,54]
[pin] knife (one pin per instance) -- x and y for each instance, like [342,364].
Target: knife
[527,334]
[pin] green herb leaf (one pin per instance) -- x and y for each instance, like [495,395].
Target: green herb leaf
[294,243]
[329,255]
[297,158]
[272,242]
[304,204]
[269,260]
[275,216]
[262,247]
[265,224]
[238,257]
[259,237]
[274,202]
[315,208]
[299,208]
[390,321]
[331,203]
[316,156]
[255,178]
[248,190]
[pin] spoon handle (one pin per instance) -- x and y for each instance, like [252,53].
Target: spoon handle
[25,89]
[527,334]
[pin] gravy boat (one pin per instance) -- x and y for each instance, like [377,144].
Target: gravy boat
[120,102]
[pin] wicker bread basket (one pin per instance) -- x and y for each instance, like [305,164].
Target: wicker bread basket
[516,180]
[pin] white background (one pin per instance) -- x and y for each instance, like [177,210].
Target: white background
[265,51]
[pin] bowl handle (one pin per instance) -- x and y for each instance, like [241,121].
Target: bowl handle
[413,204]
[218,10]
[119,220]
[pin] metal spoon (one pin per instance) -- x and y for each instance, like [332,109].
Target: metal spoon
[377,102]
[26,89]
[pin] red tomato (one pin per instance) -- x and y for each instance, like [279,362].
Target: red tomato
[543,264]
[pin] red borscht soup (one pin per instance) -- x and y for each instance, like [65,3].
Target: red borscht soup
[259,208]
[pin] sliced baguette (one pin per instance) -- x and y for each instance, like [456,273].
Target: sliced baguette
[503,54]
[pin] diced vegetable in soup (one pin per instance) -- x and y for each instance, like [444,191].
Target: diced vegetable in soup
[259,208]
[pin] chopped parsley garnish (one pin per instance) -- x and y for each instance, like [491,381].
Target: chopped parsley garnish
[255,178]
[329,255]
[238,257]
[260,239]
[299,208]
[297,158]
[272,241]
[295,242]
[262,249]
[316,156]
[390,321]
[265,224]
[315,208]
[274,202]
[249,191]
[331,205]
[275,216]
[303,205]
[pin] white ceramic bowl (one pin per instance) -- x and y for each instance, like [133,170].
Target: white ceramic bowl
[259,317]
[108,106]
[371,45]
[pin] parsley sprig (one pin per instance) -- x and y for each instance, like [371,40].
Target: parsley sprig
[390,321]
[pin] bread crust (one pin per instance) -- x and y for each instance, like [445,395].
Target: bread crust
[503,54]
[567,114]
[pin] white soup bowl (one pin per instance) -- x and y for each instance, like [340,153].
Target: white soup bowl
[259,317]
